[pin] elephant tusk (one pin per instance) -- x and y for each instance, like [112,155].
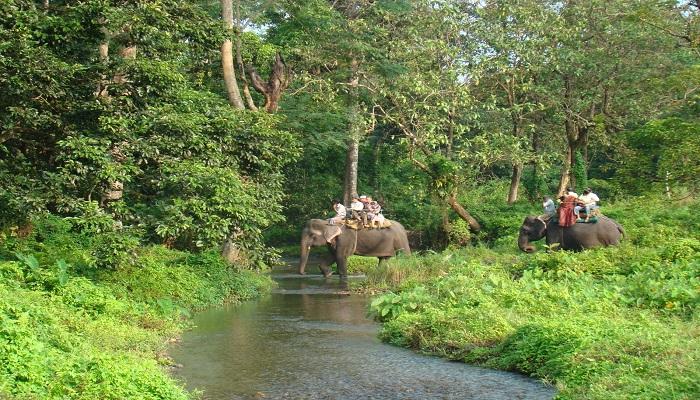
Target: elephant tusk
[308,248]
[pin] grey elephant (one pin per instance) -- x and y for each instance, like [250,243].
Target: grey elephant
[342,242]
[605,232]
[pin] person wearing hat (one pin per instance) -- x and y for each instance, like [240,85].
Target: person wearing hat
[357,208]
[374,213]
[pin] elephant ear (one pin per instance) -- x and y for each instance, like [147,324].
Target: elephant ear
[331,233]
[529,220]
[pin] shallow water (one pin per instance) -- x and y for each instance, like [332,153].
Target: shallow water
[310,339]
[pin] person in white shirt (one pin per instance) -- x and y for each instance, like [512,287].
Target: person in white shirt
[590,202]
[340,213]
[357,208]
[550,209]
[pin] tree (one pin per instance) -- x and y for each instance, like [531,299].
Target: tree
[428,100]
[513,48]
[234,95]
[333,48]
[594,49]
[193,169]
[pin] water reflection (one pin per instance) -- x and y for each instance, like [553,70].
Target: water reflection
[310,339]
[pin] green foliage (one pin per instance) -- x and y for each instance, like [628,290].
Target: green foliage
[72,331]
[390,305]
[670,287]
[660,154]
[360,264]
[618,322]
[580,171]
[458,233]
[137,152]
[100,157]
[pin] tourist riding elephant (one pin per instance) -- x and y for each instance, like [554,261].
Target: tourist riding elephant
[342,242]
[605,232]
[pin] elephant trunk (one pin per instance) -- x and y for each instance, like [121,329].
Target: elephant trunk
[304,255]
[524,244]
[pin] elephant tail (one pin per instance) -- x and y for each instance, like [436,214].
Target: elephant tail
[621,229]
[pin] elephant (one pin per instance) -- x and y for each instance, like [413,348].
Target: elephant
[381,243]
[605,232]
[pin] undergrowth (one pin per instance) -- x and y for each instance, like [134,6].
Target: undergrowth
[619,322]
[84,316]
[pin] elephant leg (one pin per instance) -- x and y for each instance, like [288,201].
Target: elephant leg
[342,263]
[326,261]
[382,261]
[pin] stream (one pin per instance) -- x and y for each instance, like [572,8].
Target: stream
[310,339]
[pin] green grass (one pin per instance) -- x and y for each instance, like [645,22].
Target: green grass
[71,327]
[619,322]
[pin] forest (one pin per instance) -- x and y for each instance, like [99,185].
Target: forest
[158,157]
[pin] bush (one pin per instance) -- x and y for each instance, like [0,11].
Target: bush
[617,322]
[668,287]
[458,233]
[82,332]
[360,264]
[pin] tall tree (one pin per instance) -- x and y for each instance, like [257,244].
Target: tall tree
[427,98]
[333,47]
[513,57]
[234,94]
[598,74]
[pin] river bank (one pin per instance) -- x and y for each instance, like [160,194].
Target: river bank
[620,322]
[311,338]
[70,328]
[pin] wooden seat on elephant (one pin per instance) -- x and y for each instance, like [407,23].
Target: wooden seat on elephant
[591,220]
[357,225]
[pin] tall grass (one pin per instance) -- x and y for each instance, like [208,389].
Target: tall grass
[619,322]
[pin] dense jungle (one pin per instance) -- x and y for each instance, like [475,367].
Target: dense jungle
[160,157]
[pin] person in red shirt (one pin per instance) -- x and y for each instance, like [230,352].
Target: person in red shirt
[566,210]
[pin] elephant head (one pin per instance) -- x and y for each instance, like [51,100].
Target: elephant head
[312,235]
[533,228]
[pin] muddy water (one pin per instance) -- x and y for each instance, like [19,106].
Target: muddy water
[309,339]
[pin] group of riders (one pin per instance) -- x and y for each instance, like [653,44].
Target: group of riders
[571,207]
[362,209]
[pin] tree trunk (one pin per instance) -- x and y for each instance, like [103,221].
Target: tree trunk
[234,95]
[535,166]
[564,180]
[128,53]
[103,50]
[351,161]
[276,84]
[572,138]
[239,60]
[355,132]
[515,183]
[376,155]
[473,223]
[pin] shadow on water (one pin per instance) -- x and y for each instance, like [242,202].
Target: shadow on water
[310,339]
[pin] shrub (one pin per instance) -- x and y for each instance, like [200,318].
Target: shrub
[87,333]
[390,305]
[668,287]
[360,264]
[458,233]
